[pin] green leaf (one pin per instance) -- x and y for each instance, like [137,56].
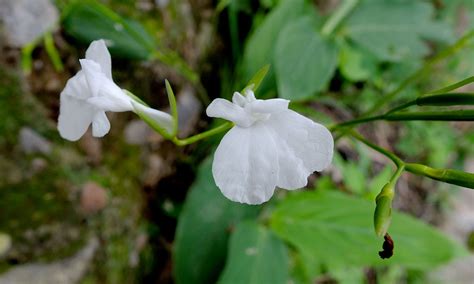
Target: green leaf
[356,64]
[393,29]
[203,230]
[259,48]
[337,230]
[304,61]
[256,256]
[88,20]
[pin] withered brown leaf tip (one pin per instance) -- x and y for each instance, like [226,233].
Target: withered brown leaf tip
[387,247]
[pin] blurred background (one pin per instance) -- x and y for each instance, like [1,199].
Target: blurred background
[133,208]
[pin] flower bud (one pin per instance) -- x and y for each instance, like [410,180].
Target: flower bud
[383,210]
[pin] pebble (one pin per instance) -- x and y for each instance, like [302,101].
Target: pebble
[93,198]
[31,142]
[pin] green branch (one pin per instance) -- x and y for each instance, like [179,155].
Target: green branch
[221,128]
[444,175]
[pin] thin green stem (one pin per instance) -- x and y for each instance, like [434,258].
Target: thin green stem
[398,162]
[397,174]
[338,16]
[462,42]
[26,57]
[354,122]
[456,115]
[444,175]
[453,86]
[203,135]
[52,52]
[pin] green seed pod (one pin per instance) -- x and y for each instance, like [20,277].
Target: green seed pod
[383,210]
[445,175]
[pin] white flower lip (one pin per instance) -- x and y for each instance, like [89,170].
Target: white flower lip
[270,146]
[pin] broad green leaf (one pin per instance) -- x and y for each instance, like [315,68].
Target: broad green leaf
[203,230]
[255,256]
[304,61]
[394,29]
[337,230]
[88,20]
[356,64]
[259,48]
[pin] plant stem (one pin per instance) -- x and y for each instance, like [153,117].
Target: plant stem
[453,86]
[444,175]
[355,122]
[52,52]
[203,135]
[455,115]
[420,72]
[461,43]
[338,16]
[398,162]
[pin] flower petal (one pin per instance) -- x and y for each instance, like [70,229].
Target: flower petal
[93,74]
[100,124]
[105,93]
[268,106]
[99,53]
[303,147]
[249,95]
[75,116]
[77,87]
[163,119]
[224,109]
[245,166]
[238,99]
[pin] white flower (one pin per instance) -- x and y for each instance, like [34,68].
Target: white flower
[92,92]
[269,146]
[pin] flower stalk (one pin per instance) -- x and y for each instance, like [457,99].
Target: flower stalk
[450,176]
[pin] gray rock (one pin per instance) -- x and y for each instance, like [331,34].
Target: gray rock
[26,20]
[459,272]
[66,271]
[137,132]
[31,142]
[189,110]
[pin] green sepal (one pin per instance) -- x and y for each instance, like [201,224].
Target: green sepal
[155,126]
[257,79]
[152,123]
[173,107]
